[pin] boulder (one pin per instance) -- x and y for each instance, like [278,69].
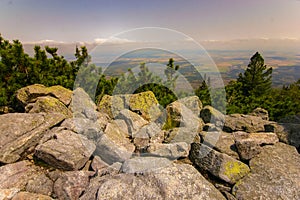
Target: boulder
[247,123]
[221,141]
[180,181]
[117,133]
[275,174]
[145,104]
[30,196]
[170,151]
[30,93]
[66,150]
[7,194]
[111,152]
[40,185]
[150,133]
[111,105]
[218,164]
[91,129]
[213,116]
[48,104]
[144,164]
[21,132]
[181,134]
[178,115]
[70,185]
[82,105]
[134,121]
[193,103]
[250,144]
[260,112]
[18,174]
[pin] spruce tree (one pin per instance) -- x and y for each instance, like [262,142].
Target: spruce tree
[256,80]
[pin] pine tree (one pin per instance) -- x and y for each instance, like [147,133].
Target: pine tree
[256,80]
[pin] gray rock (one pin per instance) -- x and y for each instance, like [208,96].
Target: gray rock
[30,93]
[170,151]
[250,144]
[17,175]
[111,105]
[247,123]
[182,134]
[20,132]
[30,196]
[70,185]
[218,164]
[178,115]
[82,105]
[193,103]
[91,129]
[221,141]
[40,185]
[275,174]
[66,150]
[111,152]
[48,104]
[144,164]
[134,121]
[173,182]
[260,112]
[212,115]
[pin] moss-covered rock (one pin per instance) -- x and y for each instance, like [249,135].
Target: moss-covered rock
[48,105]
[218,164]
[111,105]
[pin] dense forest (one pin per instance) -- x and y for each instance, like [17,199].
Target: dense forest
[251,89]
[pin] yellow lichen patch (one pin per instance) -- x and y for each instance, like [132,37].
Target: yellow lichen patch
[235,170]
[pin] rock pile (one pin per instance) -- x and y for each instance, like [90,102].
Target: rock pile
[127,147]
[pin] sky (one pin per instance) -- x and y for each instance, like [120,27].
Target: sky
[202,20]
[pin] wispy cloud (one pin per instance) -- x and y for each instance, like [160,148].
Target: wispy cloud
[113,40]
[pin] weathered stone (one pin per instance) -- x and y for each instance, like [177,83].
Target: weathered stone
[48,104]
[221,141]
[193,103]
[70,185]
[212,115]
[114,131]
[98,164]
[170,151]
[111,105]
[249,144]
[260,112]
[82,105]
[144,164]
[110,152]
[19,132]
[275,174]
[218,164]
[30,93]
[17,175]
[30,196]
[102,168]
[134,121]
[66,150]
[91,129]
[174,182]
[247,123]
[178,115]
[7,194]
[182,134]
[145,104]
[40,185]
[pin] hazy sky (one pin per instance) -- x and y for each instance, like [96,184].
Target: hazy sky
[85,20]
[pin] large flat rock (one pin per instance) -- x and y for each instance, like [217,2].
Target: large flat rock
[275,174]
[19,132]
[66,150]
[174,182]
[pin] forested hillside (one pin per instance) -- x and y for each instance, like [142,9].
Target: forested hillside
[252,88]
